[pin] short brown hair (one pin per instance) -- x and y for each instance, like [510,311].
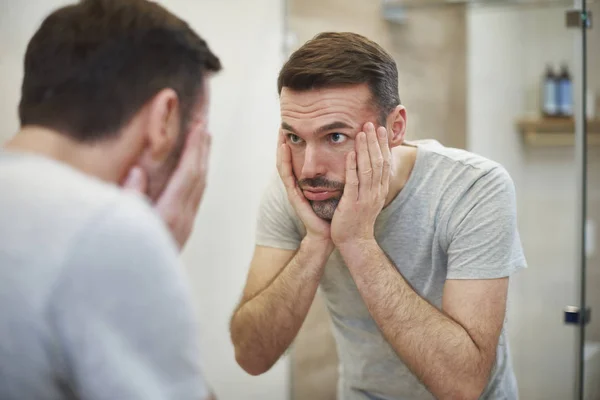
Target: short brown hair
[92,65]
[333,59]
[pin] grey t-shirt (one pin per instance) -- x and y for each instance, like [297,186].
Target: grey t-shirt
[93,300]
[454,219]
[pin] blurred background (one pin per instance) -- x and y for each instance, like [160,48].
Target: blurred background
[501,78]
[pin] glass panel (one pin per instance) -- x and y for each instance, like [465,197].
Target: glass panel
[591,354]
[514,118]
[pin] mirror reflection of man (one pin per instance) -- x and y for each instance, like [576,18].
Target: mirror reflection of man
[412,243]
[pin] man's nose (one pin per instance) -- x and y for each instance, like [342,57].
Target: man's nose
[313,165]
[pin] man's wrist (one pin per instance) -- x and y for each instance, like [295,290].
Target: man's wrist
[318,245]
[357,245]
[357,253]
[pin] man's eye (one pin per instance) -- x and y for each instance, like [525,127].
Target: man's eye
[338,137]
[294,138]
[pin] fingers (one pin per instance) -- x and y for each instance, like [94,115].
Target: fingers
[189,171]
[386,154]
[136,180]
[198,148]
[280,144]
[363,162]
[374,155]
[286,173]
[199,163]
[284,166]
[199,186]
[178,203]
[351,187]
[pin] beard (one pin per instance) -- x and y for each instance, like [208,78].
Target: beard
[324,209]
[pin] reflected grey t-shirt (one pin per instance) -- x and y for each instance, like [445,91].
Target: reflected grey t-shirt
[93,300]
[454,219]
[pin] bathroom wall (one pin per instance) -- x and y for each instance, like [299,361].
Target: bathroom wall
[244,119]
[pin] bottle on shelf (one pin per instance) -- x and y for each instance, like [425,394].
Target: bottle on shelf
[565,92]
[550,93]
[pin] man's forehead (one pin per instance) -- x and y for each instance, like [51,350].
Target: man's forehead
[357,96]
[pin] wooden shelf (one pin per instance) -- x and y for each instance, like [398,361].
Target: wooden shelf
[556,132]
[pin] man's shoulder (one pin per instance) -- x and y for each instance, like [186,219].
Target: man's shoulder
[127,223]
[56,203]
[455,158]
[454,178]
[55,185]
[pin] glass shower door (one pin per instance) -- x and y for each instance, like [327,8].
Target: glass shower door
[588,135]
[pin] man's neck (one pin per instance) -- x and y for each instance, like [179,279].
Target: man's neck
[404,158]
[100,160]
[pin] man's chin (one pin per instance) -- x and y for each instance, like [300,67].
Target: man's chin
[325,209]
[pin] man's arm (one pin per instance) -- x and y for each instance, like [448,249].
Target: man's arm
[450,351]
[122,315]
[280,288]
[281,284]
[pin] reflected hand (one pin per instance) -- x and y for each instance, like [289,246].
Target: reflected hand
[366,188]
[316,228]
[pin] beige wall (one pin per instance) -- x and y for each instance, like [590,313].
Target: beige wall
[435,99]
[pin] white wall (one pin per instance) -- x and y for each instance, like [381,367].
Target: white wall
[508,52]
[247,36]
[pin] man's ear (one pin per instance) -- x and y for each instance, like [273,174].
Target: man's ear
[162,124]
[396,125]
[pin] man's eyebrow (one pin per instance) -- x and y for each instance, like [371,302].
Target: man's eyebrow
[287,127]
[325,128]
[332,126]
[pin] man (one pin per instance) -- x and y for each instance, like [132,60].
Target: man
[95,304]
[412,243]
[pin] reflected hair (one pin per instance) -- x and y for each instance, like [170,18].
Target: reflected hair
[337,59]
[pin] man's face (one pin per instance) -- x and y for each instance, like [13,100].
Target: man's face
[320,127]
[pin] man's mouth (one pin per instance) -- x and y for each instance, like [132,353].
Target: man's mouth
[319,194]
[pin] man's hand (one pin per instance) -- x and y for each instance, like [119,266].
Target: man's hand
[316,228]
[367,186]
[178,204]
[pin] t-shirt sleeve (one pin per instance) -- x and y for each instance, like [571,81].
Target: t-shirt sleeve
[277,224]
[483,237]
[122,312]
